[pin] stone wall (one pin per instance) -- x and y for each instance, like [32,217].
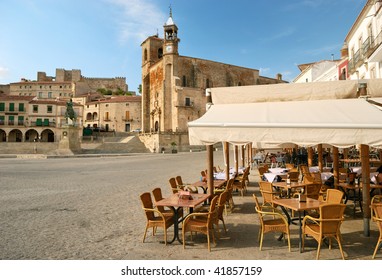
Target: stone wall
[28,148]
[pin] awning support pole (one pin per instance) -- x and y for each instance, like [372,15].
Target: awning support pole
[365,163]
[210,169]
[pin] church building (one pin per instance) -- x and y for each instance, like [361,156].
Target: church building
[173,88]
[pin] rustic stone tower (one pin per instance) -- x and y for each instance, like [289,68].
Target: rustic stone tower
[170,59]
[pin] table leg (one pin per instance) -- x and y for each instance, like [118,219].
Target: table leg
[176,226]
[299,232]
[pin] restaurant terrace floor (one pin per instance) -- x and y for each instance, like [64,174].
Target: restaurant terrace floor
[87,209]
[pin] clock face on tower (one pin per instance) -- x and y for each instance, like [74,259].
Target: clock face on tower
[169,49]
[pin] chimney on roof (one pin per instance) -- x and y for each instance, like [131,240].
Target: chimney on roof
[279,76]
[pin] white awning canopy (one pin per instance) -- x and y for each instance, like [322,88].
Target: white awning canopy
[337,122]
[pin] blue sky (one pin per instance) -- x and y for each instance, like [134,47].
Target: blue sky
[103,37]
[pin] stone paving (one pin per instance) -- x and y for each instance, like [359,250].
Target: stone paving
[88,208]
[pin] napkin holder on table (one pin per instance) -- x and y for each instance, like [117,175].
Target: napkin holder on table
[184,195]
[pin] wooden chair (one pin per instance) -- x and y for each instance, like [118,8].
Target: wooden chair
[277,222]
[201,222]
[376,211]
[154,218]
[326,226]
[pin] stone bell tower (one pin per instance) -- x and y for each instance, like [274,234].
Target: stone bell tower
[170,62]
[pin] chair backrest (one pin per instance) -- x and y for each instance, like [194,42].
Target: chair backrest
[157,194]
[317,177]
[293,176]
[289,165]
[309,178]
[260,210]
[266,190]
[262,170]
[257,204]
[229,184]
[221,202]
[378,179]
[331,217]
[229,188]
[266,167]
[173,185]
[376,209]
[313,190]
[304,169]
[179,180]
[334,196]
[342,170]
[244,178]
[212,212]
[148,204]
[351,177]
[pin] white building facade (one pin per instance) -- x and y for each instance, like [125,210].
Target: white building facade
[364,42]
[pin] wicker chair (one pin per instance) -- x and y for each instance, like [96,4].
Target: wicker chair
[157,194]
[173,185]
[229,201]
[334,196]
[293,176]
[201,222]
[289,166]
[242,182]
[154,218]
[181,185]
[376,208]
[221,206]
[277,222]
[313,190]
[268,193]
[326,226]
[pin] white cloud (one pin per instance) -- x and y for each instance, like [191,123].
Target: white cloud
[284,33]
[138,19]
[324,50]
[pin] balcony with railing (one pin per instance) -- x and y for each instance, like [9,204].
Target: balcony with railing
[369,46]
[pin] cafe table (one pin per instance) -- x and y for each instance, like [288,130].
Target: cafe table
[289,187]
[217,183]
[175,202]
[299,207]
